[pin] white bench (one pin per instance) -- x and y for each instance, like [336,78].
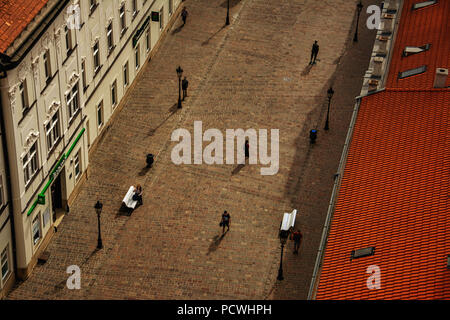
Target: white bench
[288,221]
[128,199]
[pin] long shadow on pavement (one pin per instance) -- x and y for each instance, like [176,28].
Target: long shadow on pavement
[204,43]
[173,109]
[216,242]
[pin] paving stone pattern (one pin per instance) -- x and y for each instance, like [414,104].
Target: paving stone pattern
[251,74]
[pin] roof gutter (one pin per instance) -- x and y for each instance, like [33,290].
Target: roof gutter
[6,62]
[336,186]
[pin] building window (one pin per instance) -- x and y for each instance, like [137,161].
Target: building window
[125,74]
[96,55]
[77,165]
[30,164]
[423,4]
[4,262]
[161,18]
[109,35]
[147,39]
[123,25]
[80,11]
[137,56]
[170,7]
[100,114]
[73,101]
[135,11]
[410,50]
[24,94]
[37,229]
[93,5]
[68,40]
[2,197]
[412,72]
[83,74]
[52,131]
[47,68]
[114,93]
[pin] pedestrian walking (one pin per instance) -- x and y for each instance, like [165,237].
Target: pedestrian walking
[149,160]
[247,149]
[226,221]
[297,237]
[184,86]
[184,15]
[314,52]
[312,136]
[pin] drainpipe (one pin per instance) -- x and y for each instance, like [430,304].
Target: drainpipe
[337,182]
[8,183]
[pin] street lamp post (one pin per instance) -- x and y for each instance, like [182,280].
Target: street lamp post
[330,93]
[359,7]
[283,238]
[179,73]
[227,22]
[98,208]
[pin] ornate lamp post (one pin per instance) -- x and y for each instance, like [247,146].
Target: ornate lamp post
[179,73]
[359,7]
[283,238]
[227,22]
[330,93]
[98,208]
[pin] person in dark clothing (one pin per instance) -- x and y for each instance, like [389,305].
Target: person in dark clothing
[226,221]
[247,149]
[297,237]
[184,15]
[137,196]
[313,136]
[314,52]
[149,160]
[184,86]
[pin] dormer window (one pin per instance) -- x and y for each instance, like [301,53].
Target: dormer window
[412,72]
[364,252]
[423,4]
[410,50]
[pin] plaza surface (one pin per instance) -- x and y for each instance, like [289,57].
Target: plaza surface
[253,73]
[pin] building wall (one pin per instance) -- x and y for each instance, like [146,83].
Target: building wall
[6,241]
[48,92]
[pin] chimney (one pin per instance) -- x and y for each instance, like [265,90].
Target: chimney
[441,78]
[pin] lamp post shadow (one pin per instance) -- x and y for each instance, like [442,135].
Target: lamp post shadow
[204,43]
[173,109]
[237,169]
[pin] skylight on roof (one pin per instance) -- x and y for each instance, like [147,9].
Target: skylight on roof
[409,50]
[423,4]
[369,251]
[412,72]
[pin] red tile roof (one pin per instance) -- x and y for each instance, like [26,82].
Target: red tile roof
[428,25]
[15,15]
[394,196]
[394,193]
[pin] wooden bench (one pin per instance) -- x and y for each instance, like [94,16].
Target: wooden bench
[128,199]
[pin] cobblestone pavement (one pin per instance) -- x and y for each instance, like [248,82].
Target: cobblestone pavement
[251,74]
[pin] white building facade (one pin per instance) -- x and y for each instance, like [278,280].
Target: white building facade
[6,231]
[68,73]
